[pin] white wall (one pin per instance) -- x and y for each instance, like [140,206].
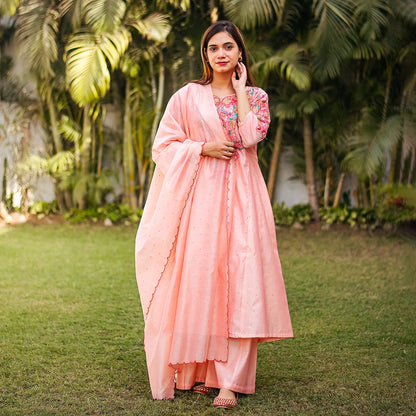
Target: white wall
[287,189]
[19,134]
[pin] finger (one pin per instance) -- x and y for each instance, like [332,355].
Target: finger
[229,150]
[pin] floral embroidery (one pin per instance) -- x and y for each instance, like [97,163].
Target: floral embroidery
[227,111]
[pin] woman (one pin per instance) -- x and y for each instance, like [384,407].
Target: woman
[207,265]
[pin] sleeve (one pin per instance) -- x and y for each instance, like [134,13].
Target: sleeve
[171,141]
[255,125]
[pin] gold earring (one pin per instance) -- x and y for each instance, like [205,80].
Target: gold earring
[240,59]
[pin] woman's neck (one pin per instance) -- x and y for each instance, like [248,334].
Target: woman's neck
[221,85]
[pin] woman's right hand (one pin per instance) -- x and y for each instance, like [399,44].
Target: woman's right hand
[220,150]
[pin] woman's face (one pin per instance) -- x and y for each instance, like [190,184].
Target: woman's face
[223,53]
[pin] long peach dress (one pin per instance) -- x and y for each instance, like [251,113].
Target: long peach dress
[207,264]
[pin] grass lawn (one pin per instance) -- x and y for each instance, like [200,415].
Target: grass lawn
[71,327]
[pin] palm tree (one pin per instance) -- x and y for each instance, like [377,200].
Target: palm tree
[323,35]
[91,37]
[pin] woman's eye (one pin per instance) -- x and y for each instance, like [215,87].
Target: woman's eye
[212,49]
[229,47]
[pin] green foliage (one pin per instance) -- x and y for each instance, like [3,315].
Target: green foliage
[89,57]
[117,213]
[42,208]
[354,217]
[285,216]
[396,204]
[368,219]
[371,144]
[249,13]
[155,26]
[104,15]
[390,210]
[90,188]
[37,31]
[399,195]
[290,64]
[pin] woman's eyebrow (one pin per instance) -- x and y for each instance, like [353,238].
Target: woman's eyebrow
[225,43]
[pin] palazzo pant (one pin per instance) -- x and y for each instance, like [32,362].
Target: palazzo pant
[238,373]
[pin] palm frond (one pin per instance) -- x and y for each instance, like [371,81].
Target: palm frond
[88,58]
[251,13]
[80,189]
[37,29]
[155,27]
[371,143]
[286,111]
[104,16]
[409,136]
[374,17]
[179,4]
[334,37]
[61,162]
[290,63]
[308,102]
[70,130]
[368,50]
[73,9]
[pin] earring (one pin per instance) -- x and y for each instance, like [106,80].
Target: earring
[240,59]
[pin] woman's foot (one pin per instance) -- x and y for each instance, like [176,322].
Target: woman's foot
[203,389]
[226,399]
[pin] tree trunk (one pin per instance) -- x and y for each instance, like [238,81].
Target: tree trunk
[389,162]
[86,141]
[128,154]
[338,192]
[158,109]
[327,184]
[366,204]
[100,143]
[160,94]
[310,175]
[412,166]
[275,159]
[54,125]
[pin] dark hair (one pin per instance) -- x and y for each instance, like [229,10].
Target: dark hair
[232,29]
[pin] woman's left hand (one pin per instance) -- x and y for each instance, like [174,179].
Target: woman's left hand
[240,83]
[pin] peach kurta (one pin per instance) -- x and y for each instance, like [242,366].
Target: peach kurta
[206,258]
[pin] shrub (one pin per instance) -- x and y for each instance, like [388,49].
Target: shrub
[41,208]
[117,213]
[285,216]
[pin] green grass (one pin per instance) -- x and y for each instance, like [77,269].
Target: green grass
[71,327]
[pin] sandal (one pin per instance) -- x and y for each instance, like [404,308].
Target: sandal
[203,389]
[223,403]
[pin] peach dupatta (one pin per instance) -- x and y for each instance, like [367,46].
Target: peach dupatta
[206,257]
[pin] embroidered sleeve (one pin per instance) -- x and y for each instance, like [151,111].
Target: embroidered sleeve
[254,127]
[260,108]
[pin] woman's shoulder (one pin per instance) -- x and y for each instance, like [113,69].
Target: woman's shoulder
[256,92]
[189,87]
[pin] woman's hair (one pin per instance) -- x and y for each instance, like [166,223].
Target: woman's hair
[223,26]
